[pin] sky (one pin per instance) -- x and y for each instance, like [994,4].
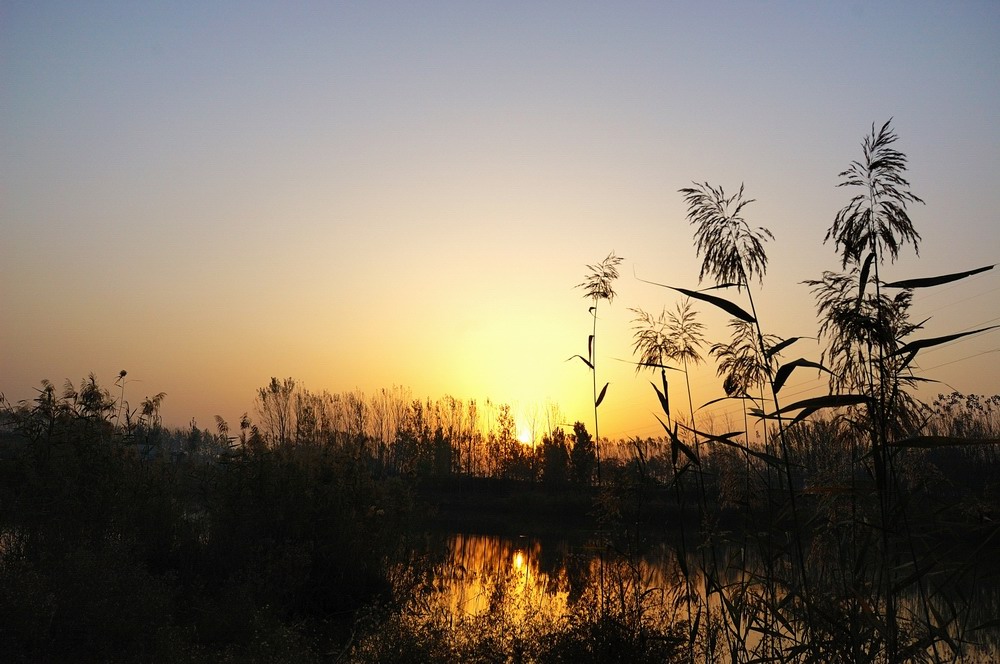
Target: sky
[362,195]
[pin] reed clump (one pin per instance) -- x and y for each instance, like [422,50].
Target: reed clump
[832,556]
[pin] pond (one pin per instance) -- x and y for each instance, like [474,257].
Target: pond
[523,592]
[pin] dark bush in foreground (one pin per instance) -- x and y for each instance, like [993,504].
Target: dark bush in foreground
[107,555]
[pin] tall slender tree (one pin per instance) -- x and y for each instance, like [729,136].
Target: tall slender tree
[274,405]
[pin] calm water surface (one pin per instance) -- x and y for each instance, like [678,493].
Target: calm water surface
[524,579]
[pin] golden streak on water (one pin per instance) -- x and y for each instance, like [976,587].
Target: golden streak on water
[489,580]
[518,560]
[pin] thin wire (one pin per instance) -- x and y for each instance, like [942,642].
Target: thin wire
[962,359]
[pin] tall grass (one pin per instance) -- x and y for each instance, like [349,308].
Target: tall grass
[598,285]
[832,539]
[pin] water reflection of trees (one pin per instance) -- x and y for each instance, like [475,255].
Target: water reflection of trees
[479,589]
[525,593]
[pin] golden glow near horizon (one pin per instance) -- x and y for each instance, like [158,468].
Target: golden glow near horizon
[367,196]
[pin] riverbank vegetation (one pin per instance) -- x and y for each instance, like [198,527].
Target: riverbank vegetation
[858,525]
[130,542]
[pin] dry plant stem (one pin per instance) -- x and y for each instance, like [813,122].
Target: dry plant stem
[884,475]
[593,375]
[786,461]
[598,285]
[682,553]
[876,222]
[657,341]
[709,556]
[734,252]
[121,400]
[887,479]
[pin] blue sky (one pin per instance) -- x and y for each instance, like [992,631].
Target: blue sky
[368,194]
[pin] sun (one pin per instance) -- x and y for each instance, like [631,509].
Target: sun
[524,436]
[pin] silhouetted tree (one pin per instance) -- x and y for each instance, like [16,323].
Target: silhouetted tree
[555,458]
[442,453]
[274,405]
[502,443]
[583,457]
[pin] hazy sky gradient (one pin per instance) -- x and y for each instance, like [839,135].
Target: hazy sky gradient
[366,194]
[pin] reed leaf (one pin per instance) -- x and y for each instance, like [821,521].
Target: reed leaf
[583,359]
[662,396]
[777,348]
[913,577]
[677,445]
[803,414]
[828,401]
[832,490]
[666,393]
[734,613]
[920,344]
[652,365]
[863,279]
[601,396]
[989,624]
[720,437]
[714,401]
[693,636]
[742,397]
[927,282]
[725,305]
[785,370]
[724,439]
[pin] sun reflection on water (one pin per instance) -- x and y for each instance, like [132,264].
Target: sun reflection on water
[487,574]
[515,582]
[499,590]
[518,560]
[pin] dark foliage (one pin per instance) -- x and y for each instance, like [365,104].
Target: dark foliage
[110,554]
